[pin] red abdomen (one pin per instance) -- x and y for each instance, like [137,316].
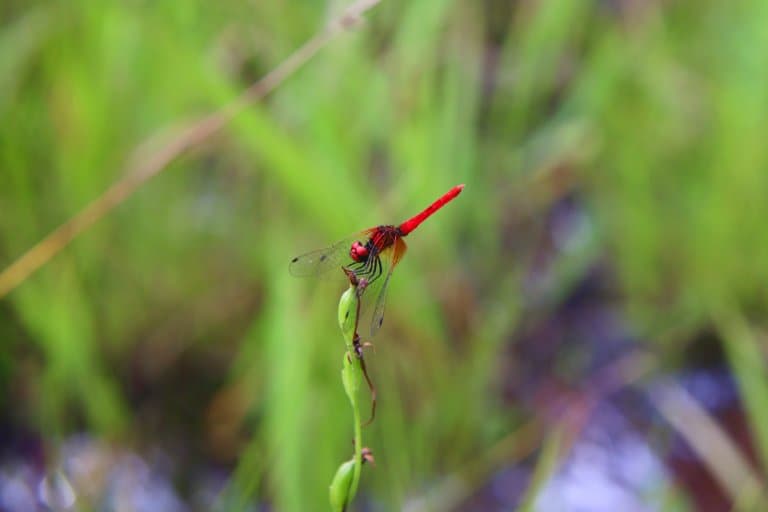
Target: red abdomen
[412,223]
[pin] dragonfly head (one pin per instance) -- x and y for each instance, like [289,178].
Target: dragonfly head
[358,252]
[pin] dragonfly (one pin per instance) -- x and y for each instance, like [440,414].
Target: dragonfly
[369,255]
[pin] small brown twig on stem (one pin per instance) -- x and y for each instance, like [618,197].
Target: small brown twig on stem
[360,286]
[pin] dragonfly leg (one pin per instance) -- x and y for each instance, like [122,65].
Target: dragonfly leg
[371,268]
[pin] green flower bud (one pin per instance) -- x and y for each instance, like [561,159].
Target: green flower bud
[341,486]
[348,314]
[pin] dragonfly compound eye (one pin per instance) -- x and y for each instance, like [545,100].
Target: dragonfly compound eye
[358,252]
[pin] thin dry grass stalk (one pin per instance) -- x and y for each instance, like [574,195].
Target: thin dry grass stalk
[184,139]
[711,443]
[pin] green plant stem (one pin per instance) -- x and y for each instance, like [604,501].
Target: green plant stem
[342,493]
[358,426]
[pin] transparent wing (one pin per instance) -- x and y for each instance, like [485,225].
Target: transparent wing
[396,253]
[322,260]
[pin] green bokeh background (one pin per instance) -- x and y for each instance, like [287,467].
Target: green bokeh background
[174,322]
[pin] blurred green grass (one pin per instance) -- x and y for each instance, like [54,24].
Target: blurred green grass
[652,114]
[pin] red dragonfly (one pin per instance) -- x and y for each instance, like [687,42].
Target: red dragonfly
[371,255]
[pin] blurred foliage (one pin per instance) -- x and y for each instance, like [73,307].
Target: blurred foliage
[174,322]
